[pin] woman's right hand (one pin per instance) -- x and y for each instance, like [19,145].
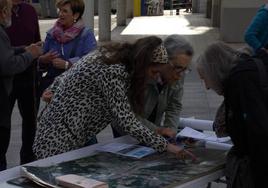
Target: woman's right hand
[48,57]
[47,96]
[181,153]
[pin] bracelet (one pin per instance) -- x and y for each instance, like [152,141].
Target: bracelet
[66,65]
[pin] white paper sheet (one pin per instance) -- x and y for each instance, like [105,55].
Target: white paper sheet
[197,124]
[217,145]
[189,132]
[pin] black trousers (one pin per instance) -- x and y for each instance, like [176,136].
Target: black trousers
[28,105]
[4,125]
[4,131]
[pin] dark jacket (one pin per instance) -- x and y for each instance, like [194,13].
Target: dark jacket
[248,124]
[24,31]
[12,61]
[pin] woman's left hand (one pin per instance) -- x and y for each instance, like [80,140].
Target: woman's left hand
[180,153]
[166,132]
[47,96]
[59,63]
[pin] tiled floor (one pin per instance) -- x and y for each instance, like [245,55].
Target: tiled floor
[197,101]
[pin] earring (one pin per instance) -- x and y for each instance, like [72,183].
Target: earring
[75,20]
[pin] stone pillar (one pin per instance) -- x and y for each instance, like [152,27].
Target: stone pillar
[129,8]
[209,8]
[89,14]
[216,13]
[195,6]
[104,10]
[235,17]
[121,12]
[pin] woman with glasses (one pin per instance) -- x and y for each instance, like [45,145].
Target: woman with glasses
[107,85]
[162,98]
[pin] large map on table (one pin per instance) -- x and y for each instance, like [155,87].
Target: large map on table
[158,170]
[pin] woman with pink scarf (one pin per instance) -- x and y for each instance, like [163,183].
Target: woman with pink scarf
[66,42]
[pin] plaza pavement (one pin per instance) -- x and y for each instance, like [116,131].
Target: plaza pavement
[197,101]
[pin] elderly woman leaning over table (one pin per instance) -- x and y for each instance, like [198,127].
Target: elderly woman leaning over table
[239,79]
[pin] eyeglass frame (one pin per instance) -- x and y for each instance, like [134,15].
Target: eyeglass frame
[180,69]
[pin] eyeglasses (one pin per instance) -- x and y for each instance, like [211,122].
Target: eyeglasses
[180,69]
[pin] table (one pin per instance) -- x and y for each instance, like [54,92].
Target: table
[90,150]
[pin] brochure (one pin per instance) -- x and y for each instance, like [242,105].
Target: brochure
[130,150]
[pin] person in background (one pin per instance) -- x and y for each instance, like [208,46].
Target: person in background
[162,102]
[24,31]
[107,85]
[237,78]
[66,42]
[13,60]
[256,35]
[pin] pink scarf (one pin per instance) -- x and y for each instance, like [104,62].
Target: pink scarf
[69,34]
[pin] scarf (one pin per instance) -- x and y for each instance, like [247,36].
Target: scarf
[69,34]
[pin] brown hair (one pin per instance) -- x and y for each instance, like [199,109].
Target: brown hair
[3,4]
[137,59]
[77,6]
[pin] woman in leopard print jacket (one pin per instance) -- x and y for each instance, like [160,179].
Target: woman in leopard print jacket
[105,86]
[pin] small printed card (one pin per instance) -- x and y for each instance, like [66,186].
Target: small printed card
[129,150]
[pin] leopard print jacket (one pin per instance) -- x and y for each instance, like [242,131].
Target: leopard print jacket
[86,99]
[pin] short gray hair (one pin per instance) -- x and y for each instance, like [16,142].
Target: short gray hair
[216,63]
[176,44]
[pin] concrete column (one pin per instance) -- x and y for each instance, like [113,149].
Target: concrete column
[195,6]
[104,10]
[209,8]
[216,13]
[89,14]
[121,12]
[129,8]
[235,17]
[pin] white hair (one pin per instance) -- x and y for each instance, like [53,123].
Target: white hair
[176,44]
[216,63]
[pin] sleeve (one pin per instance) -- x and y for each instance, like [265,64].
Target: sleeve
[10,63]
[19,50]
[88,43]
[147,123]
[173,110]
[46,48]
[257,26]
[114,90]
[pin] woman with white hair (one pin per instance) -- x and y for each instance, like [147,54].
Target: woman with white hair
[237,78]
[162,100]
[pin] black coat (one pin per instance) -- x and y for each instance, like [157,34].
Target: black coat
[248,122]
